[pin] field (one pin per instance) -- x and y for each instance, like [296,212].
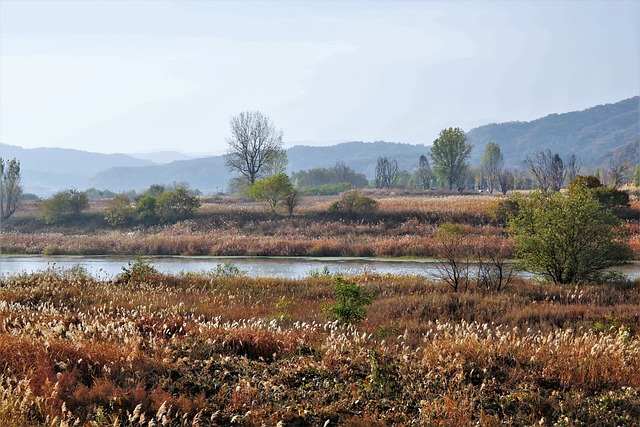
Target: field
[221,349]
[402,226]
[217,348]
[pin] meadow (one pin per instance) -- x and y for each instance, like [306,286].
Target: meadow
[403,225]
[220,349]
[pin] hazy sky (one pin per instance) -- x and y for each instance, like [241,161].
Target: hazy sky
[139,76]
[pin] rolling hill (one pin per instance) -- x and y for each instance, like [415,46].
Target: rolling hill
[595,135]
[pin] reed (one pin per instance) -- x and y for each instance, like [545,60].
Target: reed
[217,349]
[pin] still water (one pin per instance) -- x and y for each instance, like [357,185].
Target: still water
[107,267]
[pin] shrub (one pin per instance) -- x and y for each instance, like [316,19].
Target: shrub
[568,239]
[136,270]
[118,211]
[63,204]
[145,210]
[505,209]
[608,196]
[351,300]
[176,205]
[352,202]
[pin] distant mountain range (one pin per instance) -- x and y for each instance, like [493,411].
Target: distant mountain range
[595,135]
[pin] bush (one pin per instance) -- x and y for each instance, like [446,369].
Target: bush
[608,196]
[351,300]
[145,211]
[176,205]
[504,210]
[568,239]
[353,202]
[136,271]
[118,211]
[64,204]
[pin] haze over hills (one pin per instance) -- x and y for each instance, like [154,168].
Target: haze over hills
[595,135]
[592,134]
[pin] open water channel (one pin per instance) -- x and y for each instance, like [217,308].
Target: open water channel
[107,267]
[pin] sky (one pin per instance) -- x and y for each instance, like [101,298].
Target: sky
[143,76]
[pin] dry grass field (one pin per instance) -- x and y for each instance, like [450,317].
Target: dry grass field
[220,349]
[402,226]
[200,350]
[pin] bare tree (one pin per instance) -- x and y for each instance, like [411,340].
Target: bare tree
[254,144]
[10,187]
[618,172]
[506,181]
[386,171]
[424,173]
[574,167]
[548,170]
[453,257]
[557,173]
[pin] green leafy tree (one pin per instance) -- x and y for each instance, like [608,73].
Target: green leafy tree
[491,164]
[176,205]
[351,302]
[568,239]
[154,190]
[608,196]
[65,204]
[145,211]
[636,176]
[118,211]
[450,153]
[10,187]
[272,190]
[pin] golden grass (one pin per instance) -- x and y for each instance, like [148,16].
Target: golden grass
[211,350]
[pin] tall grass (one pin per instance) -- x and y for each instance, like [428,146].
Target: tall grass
[208,349]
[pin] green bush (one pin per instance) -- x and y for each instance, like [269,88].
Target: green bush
[351,302]
[568,239]
[176,205]
[118,211]
[136,270]
[354,202]
[62,205]
[145,211]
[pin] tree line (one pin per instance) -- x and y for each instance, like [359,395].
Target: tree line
[255,152]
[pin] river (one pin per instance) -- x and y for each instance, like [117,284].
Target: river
[107,267]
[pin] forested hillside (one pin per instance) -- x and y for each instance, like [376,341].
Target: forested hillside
[593,135]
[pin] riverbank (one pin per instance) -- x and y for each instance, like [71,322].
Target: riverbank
[402,226]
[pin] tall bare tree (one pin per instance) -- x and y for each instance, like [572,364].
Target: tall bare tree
[386,171]
[574,167]
[10,187]
[254,145]
[547,169]
[424,173]
[618,172]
